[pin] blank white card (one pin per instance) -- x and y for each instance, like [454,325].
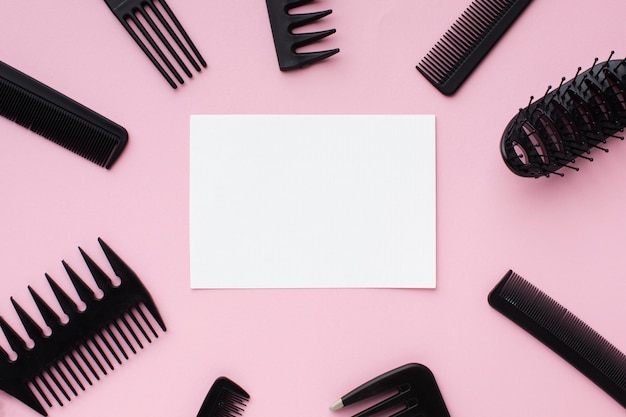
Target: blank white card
[290,201]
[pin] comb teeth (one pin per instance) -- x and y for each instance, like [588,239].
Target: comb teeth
[58,118]
[467,42]
[224,399]
[286,42]
[138,18]
[60,365]
[567,122]
[563,332]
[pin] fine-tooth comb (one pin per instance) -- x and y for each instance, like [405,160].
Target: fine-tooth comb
[468,41]
[563,332]
[413,388]
[139,12]
[286,42]
[65,359]
[224,399]
[568,122]
[58,118]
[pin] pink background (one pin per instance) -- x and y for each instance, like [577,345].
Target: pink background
[296,351]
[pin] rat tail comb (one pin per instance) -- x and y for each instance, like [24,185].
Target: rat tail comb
[286,42]
[412,387]
[224,399]
[55,366]
[567,122]
[563,332]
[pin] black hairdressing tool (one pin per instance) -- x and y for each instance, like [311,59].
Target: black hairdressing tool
[411,386]
[58,118]
[468,41]
[224,399]
[568,122]
[563,332]
[58,363]
[139,11]
[286,42]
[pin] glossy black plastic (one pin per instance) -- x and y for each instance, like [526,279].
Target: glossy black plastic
[133,13]
[58,118]
[563,332]
[448,64]
[413,386]
[83,347]
[224,399]
[286,42]
[567,122]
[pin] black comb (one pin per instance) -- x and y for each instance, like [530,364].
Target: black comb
[58,118]
[568,122]
[286,42]
[84,347]
[224,399]
[563,332]
[468,41]
[140,12]
[413,387]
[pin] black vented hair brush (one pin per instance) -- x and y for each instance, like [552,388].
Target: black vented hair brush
[568,122]
[59,364]
[286,42]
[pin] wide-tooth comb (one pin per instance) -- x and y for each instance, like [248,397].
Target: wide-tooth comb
[58,118]
[140,12]
[84,347]
[224,399]
[413,388]
[467,42]
[563,332]
[286,42]
[568,122]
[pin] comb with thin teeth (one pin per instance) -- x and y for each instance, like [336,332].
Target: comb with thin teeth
[144,18]
[563,332]
[58,365]
[286,42]
[224,399]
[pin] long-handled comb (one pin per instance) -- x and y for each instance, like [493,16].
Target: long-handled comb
[563,332]
[135,14]
[84,347]
[567,122]
[286,42]
[224,399]
[59,119]
[467,42]
[412,387]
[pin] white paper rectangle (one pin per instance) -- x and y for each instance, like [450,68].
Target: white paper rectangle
[290,201]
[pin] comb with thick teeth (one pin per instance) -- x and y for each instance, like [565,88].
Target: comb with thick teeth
[59,363]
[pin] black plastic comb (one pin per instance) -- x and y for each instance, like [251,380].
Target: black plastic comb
[224,399]
[58,118]
[467,42]
[568,122]
[563,332]
[413,387]
[59,364]
[286,42]
[134,14]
